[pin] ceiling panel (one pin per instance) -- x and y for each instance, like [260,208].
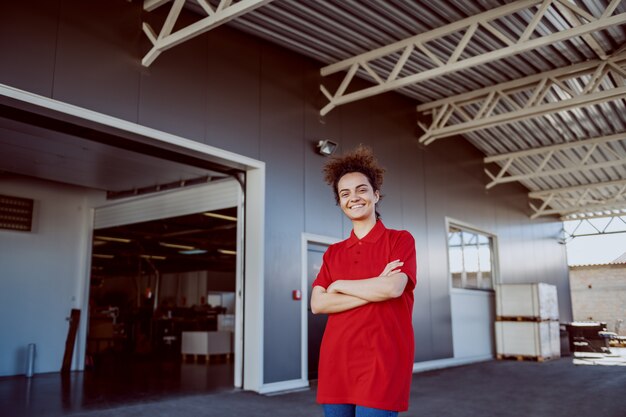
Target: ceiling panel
[42,153]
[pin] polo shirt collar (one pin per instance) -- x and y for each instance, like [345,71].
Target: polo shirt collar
[377,231]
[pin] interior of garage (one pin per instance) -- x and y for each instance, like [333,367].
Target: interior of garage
[154,282]
[146,283]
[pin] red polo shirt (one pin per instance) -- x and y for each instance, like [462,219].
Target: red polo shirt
[366,357]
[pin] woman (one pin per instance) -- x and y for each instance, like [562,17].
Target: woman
[366,287]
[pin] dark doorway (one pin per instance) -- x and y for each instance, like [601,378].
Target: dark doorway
[157,284]
[316,322]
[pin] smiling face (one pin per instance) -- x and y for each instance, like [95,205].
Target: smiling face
[357,197]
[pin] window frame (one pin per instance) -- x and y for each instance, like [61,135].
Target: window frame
[463,226]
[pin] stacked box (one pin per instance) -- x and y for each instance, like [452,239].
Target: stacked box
[527,302]
[226,322]
[527,324]
[206,343]
[539,340]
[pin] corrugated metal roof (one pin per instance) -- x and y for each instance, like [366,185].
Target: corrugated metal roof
[333,30]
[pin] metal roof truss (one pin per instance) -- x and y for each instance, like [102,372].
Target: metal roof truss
[565,88]
[225,11]
[469,44]
[597,153]
[590,198]
[594,226]
[388,66]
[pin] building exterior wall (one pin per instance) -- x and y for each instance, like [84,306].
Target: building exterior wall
[599,294]
[233,91]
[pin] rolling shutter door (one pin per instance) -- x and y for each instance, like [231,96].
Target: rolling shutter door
[213,196]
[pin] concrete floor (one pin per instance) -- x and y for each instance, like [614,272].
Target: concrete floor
[495,388]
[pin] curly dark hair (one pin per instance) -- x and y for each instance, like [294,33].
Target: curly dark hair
[360,160]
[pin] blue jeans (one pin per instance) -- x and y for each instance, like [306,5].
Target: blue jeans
[351,410]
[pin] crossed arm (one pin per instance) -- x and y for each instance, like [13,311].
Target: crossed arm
[343,295]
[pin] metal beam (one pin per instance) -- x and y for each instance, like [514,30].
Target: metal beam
[521,84]
[598,224]
[150,5]
[583,155]
[464,29]
[597,215]
[577,188]
[579,199]
[578,209]
[225,11]
[573,15]
[585,84]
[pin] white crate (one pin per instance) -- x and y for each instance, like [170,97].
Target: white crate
[536,300]
[226,322]
[527,338]
[207,343]
[194,343]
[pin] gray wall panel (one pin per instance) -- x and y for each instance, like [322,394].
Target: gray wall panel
[504,217]
[322,215]
[386,137]
[448,194]
[97,65]
[172,95]
[282,116]
[405,186]
[33,30]
[232,90]
[355,130]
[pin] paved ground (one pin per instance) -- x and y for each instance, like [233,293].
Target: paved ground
[496,388]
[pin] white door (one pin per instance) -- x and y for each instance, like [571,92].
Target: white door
[472,262]
[472,323]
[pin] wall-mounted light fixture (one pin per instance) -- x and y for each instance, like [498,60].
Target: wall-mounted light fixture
[326,147]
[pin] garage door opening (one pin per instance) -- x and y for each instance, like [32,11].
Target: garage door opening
[165,295]
[162,301]
[71,146]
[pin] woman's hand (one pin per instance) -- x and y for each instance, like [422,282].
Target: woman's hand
[392,268]
[323,301]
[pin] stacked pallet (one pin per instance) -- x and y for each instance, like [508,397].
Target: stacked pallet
[527,322]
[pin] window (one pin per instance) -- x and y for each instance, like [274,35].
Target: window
[471,258]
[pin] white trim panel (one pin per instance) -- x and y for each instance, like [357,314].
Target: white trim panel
[448,363]
[284,387]
[254,285]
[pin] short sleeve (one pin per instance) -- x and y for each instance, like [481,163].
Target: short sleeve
[404,250]
[323,277]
